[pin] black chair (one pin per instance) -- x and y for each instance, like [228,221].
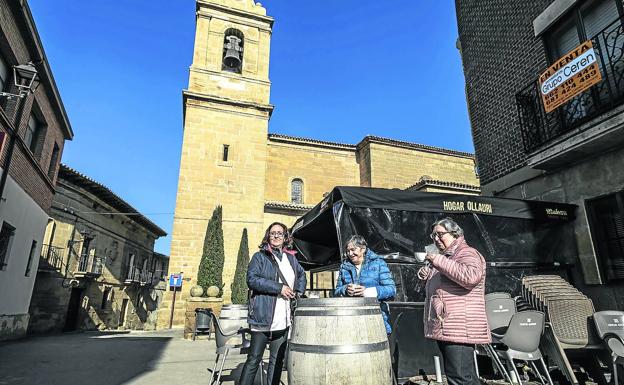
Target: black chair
[203,321]
[610,328]
[224,348]
[499,312]
[521,342]
[496,294]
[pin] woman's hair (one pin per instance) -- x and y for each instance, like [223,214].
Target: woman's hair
[287,237]
[358,241]
[450,225]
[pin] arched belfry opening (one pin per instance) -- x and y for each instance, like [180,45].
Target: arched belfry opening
[233,50]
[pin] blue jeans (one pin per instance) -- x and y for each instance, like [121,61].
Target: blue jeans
[277,348]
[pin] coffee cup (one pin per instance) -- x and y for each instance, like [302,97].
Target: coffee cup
[420,256]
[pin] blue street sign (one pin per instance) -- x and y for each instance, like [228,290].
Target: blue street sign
[175,280]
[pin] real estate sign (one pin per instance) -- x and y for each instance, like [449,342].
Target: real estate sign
[572,74]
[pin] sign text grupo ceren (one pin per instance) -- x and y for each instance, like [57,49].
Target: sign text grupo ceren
[572,74]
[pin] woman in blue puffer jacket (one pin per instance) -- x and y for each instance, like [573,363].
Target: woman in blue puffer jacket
[365,274]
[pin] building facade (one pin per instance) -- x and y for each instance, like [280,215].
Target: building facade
[230,159]
[572,154]
[33,130]
[97,268]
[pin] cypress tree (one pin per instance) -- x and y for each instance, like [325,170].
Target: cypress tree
[239,285]
[210,272]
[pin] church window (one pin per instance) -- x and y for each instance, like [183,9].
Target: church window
[226,152]
[296,191]
[233,48]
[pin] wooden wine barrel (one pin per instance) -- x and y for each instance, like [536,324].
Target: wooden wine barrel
[339,341]
[233,317]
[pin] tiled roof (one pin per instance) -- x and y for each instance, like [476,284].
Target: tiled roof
[280,137]
[442,183]
[287,206]
[104,193]
[368,139]
[417,146]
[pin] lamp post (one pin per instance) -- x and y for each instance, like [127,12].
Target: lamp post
[26,80]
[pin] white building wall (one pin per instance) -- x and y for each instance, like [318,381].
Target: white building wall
[29,221]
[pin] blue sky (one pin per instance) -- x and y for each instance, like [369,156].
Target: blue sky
[340,70]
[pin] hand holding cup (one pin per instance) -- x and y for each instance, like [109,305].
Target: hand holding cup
[355,290]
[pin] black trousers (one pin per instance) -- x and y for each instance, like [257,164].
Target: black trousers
[277,348]
[459,365]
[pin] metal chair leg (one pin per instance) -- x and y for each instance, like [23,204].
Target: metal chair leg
[615,373]
[474,357]
[262,377]
[499,364]
[195,328]
[550,381]
[537,373]
[214,368]
[222,365]
[513,367]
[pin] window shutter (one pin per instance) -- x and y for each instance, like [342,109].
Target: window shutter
[564,38]
[597,15]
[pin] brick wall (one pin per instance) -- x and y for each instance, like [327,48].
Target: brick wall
[28,170]
[500,55]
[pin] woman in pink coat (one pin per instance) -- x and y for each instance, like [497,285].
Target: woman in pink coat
[455,304]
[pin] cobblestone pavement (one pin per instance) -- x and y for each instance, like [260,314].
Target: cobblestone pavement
[109,358]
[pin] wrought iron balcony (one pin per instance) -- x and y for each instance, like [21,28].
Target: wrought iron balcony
[540,128]
[51,258]
[134,275]
[89,266]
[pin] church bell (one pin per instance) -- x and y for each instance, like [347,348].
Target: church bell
[232,52]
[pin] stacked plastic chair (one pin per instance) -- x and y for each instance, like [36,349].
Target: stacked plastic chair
[568,313]
[522,339]
[515,335]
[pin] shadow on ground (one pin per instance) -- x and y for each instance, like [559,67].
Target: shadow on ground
[95,358]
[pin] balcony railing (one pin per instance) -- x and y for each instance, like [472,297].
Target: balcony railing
[89,266]
[51,258]
[142,277]
[539,128]
[134,275]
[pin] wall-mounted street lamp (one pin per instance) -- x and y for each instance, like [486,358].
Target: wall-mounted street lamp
[25,79]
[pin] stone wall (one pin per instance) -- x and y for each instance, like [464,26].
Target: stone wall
[320,169]
[78,214]
[401,167]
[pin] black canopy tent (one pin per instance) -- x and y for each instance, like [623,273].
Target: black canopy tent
[396,223]
[516,237]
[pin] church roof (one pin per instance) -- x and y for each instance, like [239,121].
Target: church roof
[416,146]
[287,206]
[297,139]
[369,139]
[443,183]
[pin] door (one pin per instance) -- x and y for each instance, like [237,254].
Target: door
[73,310]
[122,313]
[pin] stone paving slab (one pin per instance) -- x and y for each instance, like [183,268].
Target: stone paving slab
[108,358]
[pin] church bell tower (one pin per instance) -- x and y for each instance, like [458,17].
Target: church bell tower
[224,150]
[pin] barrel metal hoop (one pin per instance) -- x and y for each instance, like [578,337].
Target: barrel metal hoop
[234,318]
[339,349]
[336,312]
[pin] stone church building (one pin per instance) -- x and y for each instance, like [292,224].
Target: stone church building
[229,158]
